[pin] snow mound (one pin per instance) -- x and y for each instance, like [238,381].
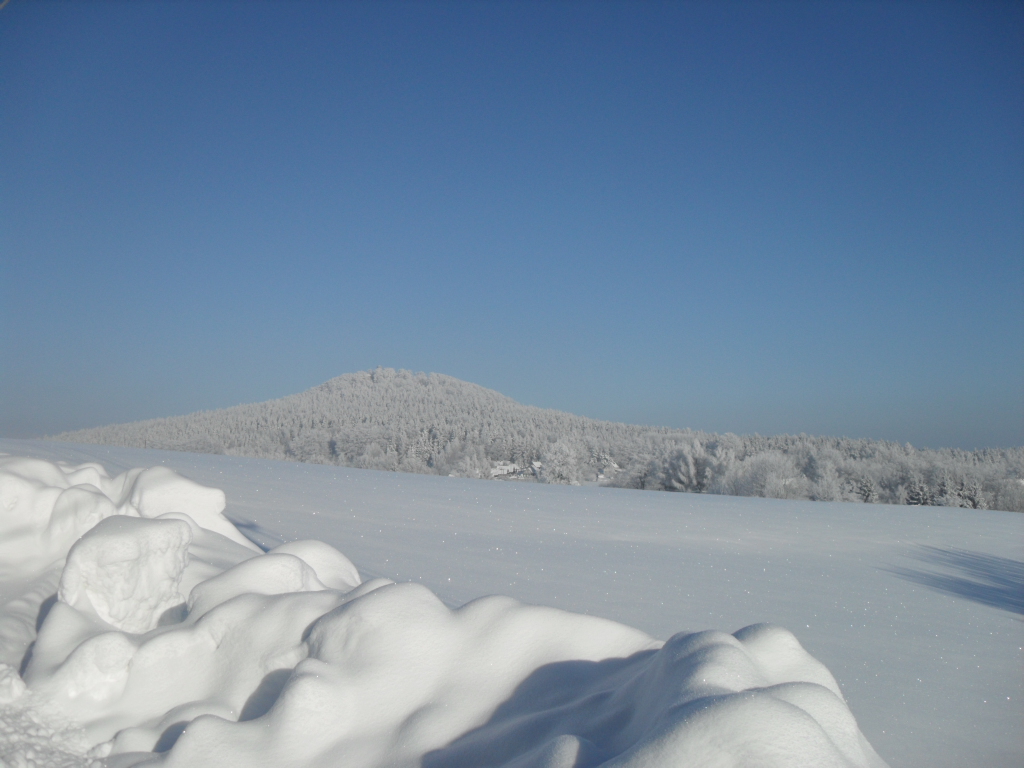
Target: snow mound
[45,508]
[126,571]
[166,639]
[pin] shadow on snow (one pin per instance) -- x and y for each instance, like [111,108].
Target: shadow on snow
[987,579]
[262,537]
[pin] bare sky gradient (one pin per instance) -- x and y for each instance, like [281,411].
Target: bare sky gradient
[770,217]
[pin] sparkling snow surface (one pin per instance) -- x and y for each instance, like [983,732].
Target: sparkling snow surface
[173,641]
[916,611]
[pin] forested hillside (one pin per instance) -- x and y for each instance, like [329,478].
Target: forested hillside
[435,424]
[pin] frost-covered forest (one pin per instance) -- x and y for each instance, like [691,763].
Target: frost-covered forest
[435,424]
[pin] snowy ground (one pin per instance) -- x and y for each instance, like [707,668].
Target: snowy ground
[915,611]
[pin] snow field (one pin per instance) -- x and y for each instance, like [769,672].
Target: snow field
[166,638]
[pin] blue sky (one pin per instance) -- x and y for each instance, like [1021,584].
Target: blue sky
[746,217]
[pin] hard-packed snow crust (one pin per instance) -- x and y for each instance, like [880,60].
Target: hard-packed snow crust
[138,627]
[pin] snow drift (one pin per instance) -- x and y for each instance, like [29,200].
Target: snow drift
[138,627]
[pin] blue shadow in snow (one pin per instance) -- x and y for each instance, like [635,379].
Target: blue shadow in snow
[568,698]
[262,537]
[987,579]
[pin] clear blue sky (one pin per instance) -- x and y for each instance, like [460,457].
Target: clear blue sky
[770,217]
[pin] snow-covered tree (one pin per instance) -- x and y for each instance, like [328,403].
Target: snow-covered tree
[866,490]
[917,493]
[561,464]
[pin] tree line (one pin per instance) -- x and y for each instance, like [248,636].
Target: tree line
[434,424]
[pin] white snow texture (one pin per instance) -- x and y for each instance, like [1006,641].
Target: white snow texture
[138,627]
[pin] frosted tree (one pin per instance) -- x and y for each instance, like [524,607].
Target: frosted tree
[771,474]
[917,493]
[827,485]
[972,495]
[867,491]
[561,464]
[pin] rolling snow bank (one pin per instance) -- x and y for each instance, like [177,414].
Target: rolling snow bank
[138,627]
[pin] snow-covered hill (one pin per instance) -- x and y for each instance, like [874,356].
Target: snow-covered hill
[434,424]
[916,611]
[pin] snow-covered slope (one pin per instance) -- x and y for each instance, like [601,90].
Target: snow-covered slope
[435,424]
[914,610]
